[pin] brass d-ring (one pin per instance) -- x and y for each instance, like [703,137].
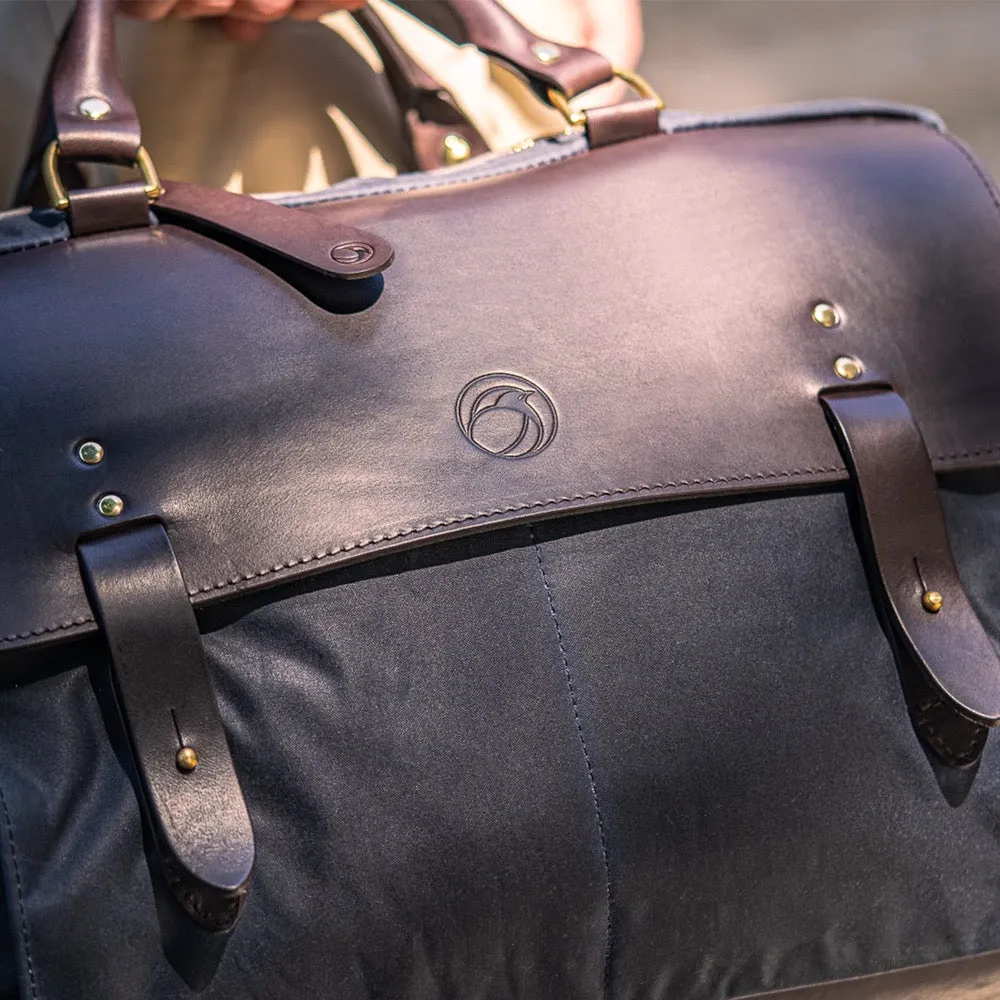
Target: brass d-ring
[57,190]
[575,118]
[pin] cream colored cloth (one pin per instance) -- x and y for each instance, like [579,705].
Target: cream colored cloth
[305,106]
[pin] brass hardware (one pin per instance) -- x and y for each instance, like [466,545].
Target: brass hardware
[932,601]
[57,190]
[94,108]
[546,52]
[187,759]
[560,102]
[520,147]
[456,149]
[90,453]
[848,368]
[111,505]
[826,315]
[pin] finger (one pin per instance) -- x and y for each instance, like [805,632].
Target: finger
[239,30]
[313,10]
[147,10]
[260,11]
[187,10]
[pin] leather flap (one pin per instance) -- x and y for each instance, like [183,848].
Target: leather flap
[624,325]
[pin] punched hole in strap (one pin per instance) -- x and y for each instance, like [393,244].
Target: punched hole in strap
[191,793]
[948,665]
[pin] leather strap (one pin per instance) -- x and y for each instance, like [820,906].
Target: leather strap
[430,113]
[87,68]
[199,820]
[948,665]
[488,26]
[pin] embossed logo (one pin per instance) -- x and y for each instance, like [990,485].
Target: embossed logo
[506,415]
[352,253]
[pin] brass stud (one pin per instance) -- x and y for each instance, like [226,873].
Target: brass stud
[187,759]
[546,52]
[456,149]
[94,108]
[848,368]
[826,315]
[90,453]
[932,601]
[110,505]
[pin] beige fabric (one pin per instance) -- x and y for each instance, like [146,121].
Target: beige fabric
[305,106]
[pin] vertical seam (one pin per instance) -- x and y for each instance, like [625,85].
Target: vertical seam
[20,897]
[586,753]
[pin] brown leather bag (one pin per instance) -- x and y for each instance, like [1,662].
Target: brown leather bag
[570,573]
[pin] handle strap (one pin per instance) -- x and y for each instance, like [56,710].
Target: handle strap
[438,132]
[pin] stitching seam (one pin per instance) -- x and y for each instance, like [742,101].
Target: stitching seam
[435,185]
[513,508]
[235,581]
[586,753]
[20,898]
[990,189]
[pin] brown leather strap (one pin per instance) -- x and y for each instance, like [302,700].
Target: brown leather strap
[85,75]
[430,113]
[488,26]
[949,668]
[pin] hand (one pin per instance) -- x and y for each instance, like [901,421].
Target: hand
[242,20]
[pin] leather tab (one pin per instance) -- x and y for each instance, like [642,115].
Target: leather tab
[949,667]
[305,241]
[199,820]
[87,67]
[99,210]
[621,122]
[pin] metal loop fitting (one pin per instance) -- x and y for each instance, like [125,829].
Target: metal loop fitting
[57,190]
[575,118]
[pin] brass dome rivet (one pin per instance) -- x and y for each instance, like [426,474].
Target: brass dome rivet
[90,453]
[94,108]
[110,505]
[932,601]
[826,315]
[187,759]
[546,53]
[848,368]
[456,149]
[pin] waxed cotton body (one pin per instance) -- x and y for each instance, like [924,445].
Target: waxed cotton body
[457,757]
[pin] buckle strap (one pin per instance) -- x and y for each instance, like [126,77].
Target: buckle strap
[191,795]
[948,665]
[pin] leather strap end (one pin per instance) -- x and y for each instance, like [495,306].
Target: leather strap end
[950,668]
[191,794]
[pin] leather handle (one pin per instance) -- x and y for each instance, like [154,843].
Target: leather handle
[431,116]
[495,31]
[95,118]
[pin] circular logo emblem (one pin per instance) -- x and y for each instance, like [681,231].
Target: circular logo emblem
[352,253]
[506,415]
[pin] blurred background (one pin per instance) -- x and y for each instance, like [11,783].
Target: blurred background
[944,54]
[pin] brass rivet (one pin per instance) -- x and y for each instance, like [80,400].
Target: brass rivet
[187,759]
[456,149]
[546,53]
[90,453]
[94,108]
[847,368]
[932,601]
[110,505]
[826,315]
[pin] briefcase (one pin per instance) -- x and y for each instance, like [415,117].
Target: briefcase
[567,573]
